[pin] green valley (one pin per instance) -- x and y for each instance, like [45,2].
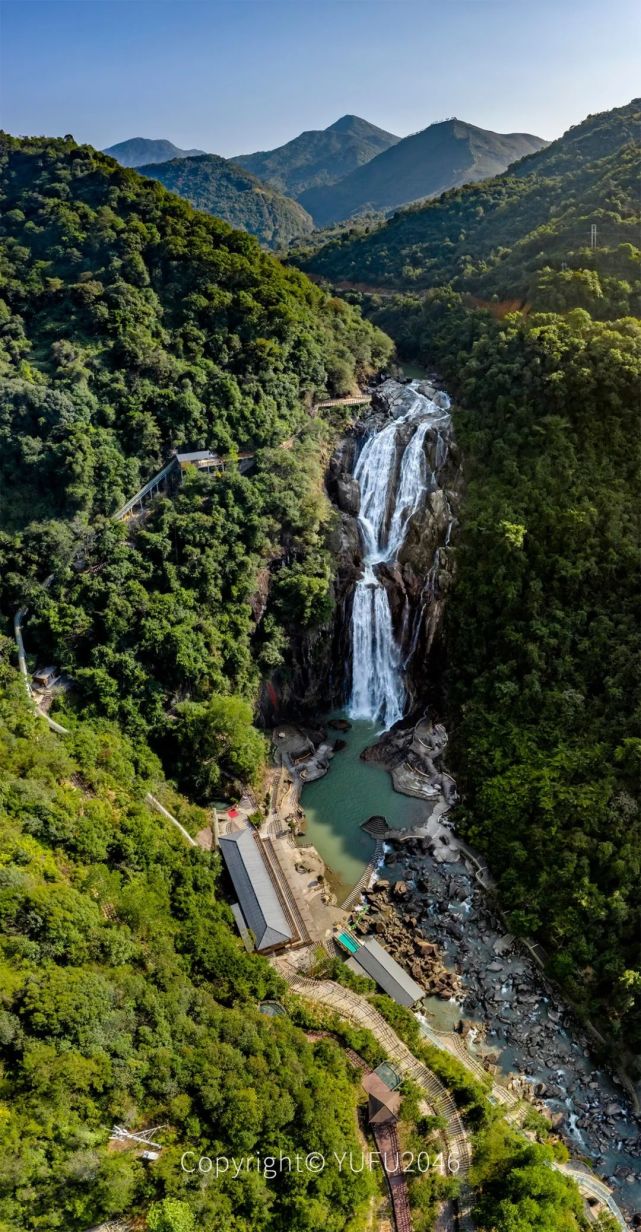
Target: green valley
[537,335]
[237,542]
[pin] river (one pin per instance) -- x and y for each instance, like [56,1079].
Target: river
[529,1030]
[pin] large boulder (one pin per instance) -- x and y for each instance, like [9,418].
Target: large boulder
[347,494]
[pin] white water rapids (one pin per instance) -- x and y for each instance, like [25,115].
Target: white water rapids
[391,492]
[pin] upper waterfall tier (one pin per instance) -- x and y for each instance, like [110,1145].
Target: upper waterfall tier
[385,513]
[393,475]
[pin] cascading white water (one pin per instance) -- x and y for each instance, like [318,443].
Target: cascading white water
[378,692]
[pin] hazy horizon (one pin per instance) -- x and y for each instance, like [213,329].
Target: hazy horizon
[234,77]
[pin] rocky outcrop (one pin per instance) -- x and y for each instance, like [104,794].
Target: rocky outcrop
[418,582]
[317,673]
[505,1000]
[391,919]
[348,495]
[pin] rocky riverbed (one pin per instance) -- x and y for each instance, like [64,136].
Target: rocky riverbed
[437,895]
[432,906]
[517,1018]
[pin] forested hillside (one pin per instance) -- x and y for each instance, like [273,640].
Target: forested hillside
[132,325]
[319,156]
[229,192]
[421,165]
[525,235]
[543,635]
[126,996]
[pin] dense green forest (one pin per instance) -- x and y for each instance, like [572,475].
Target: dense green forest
[542,629]
[522,236]
[220,187]
[132,325]
[127,997]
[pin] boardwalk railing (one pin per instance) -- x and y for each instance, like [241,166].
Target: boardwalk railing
[361,400]
[365,877]
[358,1010]
[592,1187]
[160,808]
[147,492]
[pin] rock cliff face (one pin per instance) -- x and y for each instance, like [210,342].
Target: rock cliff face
[318,672]
[418,581]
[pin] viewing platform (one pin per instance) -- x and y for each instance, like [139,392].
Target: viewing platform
[171,474]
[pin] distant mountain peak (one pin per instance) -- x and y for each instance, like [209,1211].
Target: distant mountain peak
[136,151]
[348,122]
[446,154]
[319,156]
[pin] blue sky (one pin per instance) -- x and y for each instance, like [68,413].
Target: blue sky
[242,75]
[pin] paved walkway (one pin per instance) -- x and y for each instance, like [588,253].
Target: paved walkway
[514,1105]
[357,1009]
[591,1187]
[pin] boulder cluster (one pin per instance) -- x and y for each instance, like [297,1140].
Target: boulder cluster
[391,919]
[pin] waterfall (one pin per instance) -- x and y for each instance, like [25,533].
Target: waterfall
[377,687]
[391,492]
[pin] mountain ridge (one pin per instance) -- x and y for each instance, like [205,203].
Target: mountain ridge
[496,237]
[442,156]
[222,188]
[318,156]
[136,151]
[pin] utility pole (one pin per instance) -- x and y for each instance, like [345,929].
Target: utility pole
[593,236]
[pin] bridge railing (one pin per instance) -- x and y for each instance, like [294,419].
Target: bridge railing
[150,487]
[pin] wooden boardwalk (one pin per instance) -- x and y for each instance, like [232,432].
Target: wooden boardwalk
[361,400]
[365,877]
[389,1149]
[387,1145]
[357,1009]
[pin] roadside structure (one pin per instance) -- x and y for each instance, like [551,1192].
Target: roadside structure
[259,908]
[383,1104]
[372,959]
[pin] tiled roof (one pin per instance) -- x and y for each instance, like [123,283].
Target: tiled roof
[380,966]
[257,896]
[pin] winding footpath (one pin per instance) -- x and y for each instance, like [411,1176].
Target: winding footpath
[22,662]
[357,1010]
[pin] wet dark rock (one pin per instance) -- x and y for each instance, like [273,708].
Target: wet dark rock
[347,495]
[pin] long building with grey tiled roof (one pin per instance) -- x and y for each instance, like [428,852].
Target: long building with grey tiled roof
[258,899]
[375,961]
